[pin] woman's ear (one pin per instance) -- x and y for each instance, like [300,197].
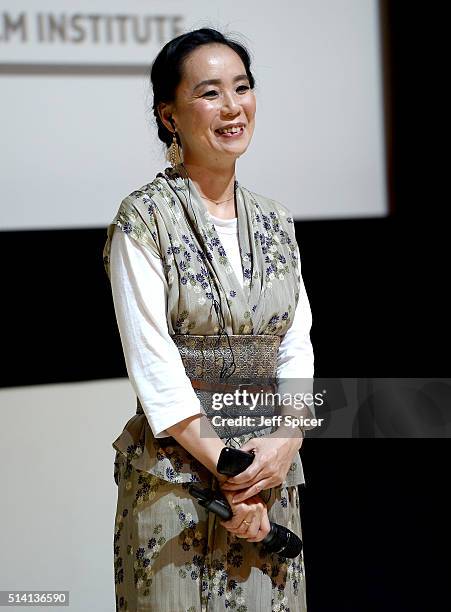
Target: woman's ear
[165,112]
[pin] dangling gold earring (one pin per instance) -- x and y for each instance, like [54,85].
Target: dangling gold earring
[174,152]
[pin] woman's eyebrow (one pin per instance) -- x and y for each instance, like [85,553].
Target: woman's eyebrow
[218,81]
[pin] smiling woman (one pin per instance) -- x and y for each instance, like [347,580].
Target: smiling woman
[189,311]
[212,118]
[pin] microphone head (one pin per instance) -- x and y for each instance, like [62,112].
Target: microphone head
[282,541]
[293,547]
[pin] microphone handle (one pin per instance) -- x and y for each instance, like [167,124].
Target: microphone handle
[218,507]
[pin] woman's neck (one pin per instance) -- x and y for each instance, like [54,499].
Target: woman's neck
[215,186]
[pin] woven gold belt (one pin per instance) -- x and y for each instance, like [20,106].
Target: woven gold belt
[204,357]
[218,387]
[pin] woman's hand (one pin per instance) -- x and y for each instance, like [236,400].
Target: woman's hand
[273,458]
[254,511]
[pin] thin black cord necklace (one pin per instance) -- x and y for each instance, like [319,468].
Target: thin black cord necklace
[226,370]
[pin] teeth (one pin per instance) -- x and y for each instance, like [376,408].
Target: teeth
[233,130]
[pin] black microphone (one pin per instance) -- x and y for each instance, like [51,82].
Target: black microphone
[279,539]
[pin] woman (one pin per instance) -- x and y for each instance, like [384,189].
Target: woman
[181,299]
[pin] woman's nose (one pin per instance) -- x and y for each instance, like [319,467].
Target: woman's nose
[230,103]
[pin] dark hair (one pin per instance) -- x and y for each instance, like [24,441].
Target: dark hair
[166,69]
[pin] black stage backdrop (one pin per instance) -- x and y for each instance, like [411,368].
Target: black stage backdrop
[373,511]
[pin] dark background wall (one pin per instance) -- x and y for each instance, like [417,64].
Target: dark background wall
[373,511]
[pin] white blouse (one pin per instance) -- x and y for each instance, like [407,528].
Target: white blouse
[153,362]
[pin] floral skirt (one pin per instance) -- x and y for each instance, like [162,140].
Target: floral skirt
[172,555]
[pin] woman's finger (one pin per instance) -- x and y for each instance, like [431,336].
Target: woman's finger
[268,469]
[265,528]
[254,527]
[251,524]
[261,467]
[247,494]
[231,487]
[241,480]
[240,512]
[252,507]
[255,489]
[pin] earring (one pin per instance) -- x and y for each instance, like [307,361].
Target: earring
[174,152]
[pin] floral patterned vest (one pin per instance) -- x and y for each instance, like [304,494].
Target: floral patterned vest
[169,217]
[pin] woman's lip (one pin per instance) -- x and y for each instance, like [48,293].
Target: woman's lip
[230,134]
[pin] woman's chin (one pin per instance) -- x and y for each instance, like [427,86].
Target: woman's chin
[235,151]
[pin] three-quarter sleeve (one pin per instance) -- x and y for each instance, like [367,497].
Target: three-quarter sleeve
[153,362]
[295,357]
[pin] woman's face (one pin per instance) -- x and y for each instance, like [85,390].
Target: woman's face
[201,108]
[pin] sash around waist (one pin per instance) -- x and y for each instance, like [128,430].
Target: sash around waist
[245,356]
[255,363]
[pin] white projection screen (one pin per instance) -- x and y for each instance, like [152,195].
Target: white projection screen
[77,125]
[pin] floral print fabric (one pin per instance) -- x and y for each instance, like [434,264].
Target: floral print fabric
[169,217]
[171,555]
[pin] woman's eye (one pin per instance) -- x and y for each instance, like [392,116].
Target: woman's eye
[212,92]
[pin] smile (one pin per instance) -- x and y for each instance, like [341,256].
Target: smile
[232,134]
